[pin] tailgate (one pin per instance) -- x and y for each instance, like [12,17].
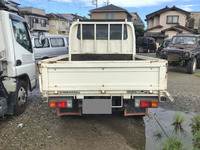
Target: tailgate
[102,77]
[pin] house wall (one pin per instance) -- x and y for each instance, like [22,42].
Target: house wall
[163,18]
[196,16]
[33,10]
[102,15]
[150,23]
[173,33]
[156,21]
[57,26]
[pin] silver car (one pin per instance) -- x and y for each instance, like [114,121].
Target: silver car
[55,45]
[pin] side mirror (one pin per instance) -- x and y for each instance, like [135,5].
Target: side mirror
[41,38]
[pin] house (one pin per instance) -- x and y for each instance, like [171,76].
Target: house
[59,24]
[137,20]
[36,18]
[194,21]
[167,22]
[110,12]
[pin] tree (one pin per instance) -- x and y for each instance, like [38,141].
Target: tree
[139,31]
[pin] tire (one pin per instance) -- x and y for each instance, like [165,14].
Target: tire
[20,97]
[191,66]
[198,63]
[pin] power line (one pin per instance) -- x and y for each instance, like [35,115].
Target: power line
[95,2]
[107,2]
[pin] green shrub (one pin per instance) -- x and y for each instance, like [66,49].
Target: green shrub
[195,123]
[173,143]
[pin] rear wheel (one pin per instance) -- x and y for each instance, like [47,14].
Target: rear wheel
[21,96]
[191,66]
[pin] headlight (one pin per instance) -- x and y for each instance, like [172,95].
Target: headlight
[186,54]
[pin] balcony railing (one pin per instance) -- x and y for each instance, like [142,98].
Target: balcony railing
[37,26]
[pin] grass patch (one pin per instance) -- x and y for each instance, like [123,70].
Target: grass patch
[158,135]
[173,143]
[197,73]
[195,123]
[197,140]
[178,119]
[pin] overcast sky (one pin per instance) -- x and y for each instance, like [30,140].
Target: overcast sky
[82,7]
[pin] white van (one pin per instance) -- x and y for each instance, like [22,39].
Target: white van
[55,45]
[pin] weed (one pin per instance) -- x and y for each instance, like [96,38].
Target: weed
[195,123]
[197,74]
[158,135]
[197,140]
[173,143]
[178,119]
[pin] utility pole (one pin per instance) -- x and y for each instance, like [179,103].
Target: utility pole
[107,2]
[95,2]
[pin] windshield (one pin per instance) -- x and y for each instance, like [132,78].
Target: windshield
[184,40]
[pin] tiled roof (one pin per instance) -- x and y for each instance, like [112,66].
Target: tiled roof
[156,13]
[108,8]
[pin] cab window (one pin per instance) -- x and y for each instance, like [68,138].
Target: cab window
[21,35]
[57,42]
[38,45]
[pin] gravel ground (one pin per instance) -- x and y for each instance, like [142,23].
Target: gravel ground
[43,129]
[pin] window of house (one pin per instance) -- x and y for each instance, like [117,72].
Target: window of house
[21,35]
[172,19]
[43,23]
[57,42]
[36,20]
[107,16]
[112,16]
[38,45]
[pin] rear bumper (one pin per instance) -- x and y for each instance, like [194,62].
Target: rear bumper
[106,105]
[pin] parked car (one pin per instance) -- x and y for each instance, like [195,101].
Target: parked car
[184,49]
[55,45]
[145,45]
[163,45]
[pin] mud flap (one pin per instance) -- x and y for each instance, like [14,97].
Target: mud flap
[70,111]
[131,110]
[3,106]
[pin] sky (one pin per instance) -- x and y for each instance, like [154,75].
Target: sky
[82,7]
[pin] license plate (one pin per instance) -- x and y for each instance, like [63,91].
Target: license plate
[173,58]
[97,106]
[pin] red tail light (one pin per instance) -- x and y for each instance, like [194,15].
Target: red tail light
[58,104]
[61,104]
[149,103]
[145,49]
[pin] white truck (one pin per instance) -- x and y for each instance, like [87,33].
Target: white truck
[17,62]
[102,72]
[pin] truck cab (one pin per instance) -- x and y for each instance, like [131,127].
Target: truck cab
[17,62]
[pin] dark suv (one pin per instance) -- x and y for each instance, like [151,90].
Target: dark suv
[183,49]
[145,45]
